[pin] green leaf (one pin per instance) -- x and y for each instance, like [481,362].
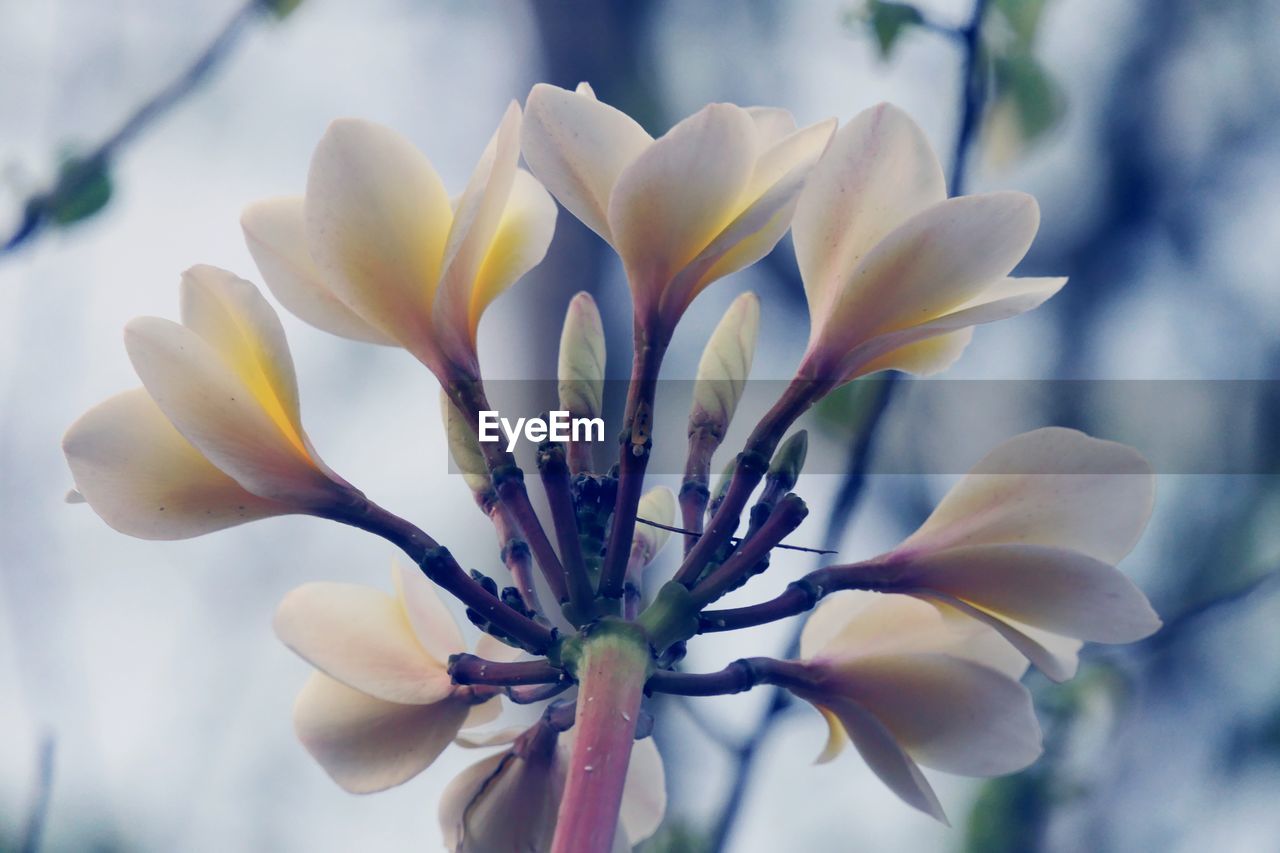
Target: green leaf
[889,21]
[1037,98]
[1023,17]
[281,8]
[83,188]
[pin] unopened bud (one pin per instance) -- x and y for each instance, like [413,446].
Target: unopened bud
[789,461]
[582,353]
[658,505]
[464,448]
[726,361]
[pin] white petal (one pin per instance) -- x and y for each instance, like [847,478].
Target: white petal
[933,346]
[367,744]
[476,216]
[226,420]
[947,713]
[644,793]
[362,637]
[577,147]
[888,760]
[242,327]
[1055,656]
[432,622]
[935,263]
[1055,589]
[877,172]
[1053,486]
[679,194]
[275,232]
[144,479]
[524,233]
[484,740]
[856,622]
[767,205]
[503,803]
[460,796]
[772,124]
[377,218]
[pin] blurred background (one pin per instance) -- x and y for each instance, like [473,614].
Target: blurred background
[144,702]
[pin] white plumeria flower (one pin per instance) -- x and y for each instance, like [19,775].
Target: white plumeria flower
[711,196]
[895,273]
[725,365]
[1027,542]
[215,438]
[382,706]
[376,251]
[910,686]
[509,801]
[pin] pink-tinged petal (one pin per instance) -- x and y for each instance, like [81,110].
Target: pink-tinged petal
[362,637]
[877,172]
[430,618]
[1065,592]
[933,346]
[144,479]
[1056,656]
[933,264]
[577,147]
[644,793]
[367,744]
[945,712]
[1054,487]
[857,622]
[275,232]
[377,218]
[887,759]
[679,194]
[226,420]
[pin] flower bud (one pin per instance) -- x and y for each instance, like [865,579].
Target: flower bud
[464,448]
[658,505]
[789,461]
[582,358]
[725,363]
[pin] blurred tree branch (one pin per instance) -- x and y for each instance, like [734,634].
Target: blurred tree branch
[83,184]
[38,813]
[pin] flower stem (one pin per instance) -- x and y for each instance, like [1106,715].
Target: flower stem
[753,462]
[632,461]
[612,669]
[695,491]
[555,482]
[790,512]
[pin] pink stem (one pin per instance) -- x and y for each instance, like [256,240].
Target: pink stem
[611,676]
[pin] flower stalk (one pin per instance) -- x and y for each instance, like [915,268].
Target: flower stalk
[612,668]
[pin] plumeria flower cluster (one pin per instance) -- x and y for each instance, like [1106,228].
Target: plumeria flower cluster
[913,656]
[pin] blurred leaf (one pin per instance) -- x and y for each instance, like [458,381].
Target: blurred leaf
[845,410]
[1009,814]
[1023,17]
[675,836]
[83,188]
[1037,98]
[281,8]
[889,20]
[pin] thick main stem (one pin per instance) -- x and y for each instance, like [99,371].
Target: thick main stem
[633,459]
[611,672]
